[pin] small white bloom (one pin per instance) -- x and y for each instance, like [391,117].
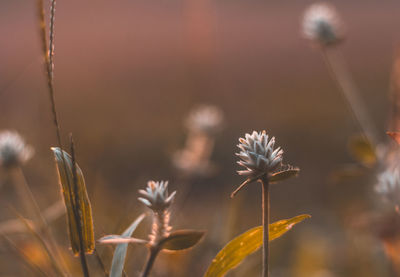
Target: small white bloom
[258,155]
[389,185]
[157,199]
[207,119]
[13,150]
[322,24]
[156,196]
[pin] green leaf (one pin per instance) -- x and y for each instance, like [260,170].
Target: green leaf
[362,150]
[284,174]
[245,244]
[85,210]
[118,260]
[181,240]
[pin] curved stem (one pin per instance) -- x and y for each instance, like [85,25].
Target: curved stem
[337,67]
[150,261]
[265,223]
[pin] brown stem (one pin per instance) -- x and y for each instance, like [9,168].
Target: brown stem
[265,223]
[150,261]
[76,209]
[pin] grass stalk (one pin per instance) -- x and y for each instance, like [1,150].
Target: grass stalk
[100,262]
[76,208]
[265,223]
[32,208]
[48,53]
[59,271]
[48,61]
[24,258]
[340,73]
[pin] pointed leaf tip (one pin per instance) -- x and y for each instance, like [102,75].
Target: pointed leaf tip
[64,168]
[284,174]
[118,261]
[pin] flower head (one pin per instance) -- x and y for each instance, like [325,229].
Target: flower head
[207,119]
[258,155]
[13,150]
[156,196]
[389,185]
[322,24]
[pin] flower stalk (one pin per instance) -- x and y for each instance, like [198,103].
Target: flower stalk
[261,160]
[265,222]
[156,198]
[323,26]
[341,75]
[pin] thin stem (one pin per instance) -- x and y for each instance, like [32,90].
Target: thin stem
[342,76]
[100,261]
[150,261]
[48,59]
[32,208]
[24,258]
[31,229]
[76,208]
[48,64]
[265,223]
[51,37]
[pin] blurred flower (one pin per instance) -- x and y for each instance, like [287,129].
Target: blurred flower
[207,119]
[157,199]
[389,185]
[13,150]
[203,123]
[258,155]
[322,24]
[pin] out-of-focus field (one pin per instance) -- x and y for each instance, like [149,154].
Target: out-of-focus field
[128,72]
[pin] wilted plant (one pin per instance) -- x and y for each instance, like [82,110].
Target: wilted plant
[157,199]
[263,163]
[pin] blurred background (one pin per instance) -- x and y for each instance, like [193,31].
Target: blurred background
[127,74]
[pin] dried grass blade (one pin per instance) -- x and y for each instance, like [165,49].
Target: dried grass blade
[85,211]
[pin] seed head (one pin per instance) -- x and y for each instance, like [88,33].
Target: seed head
[13,150]
[207,119]
[156,196]
[322,24]
[389,185]
[258,155]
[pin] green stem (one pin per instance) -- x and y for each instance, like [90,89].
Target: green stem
[265,222]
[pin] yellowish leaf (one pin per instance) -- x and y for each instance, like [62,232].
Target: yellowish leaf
[362,150]
[245,244]
[85,210]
